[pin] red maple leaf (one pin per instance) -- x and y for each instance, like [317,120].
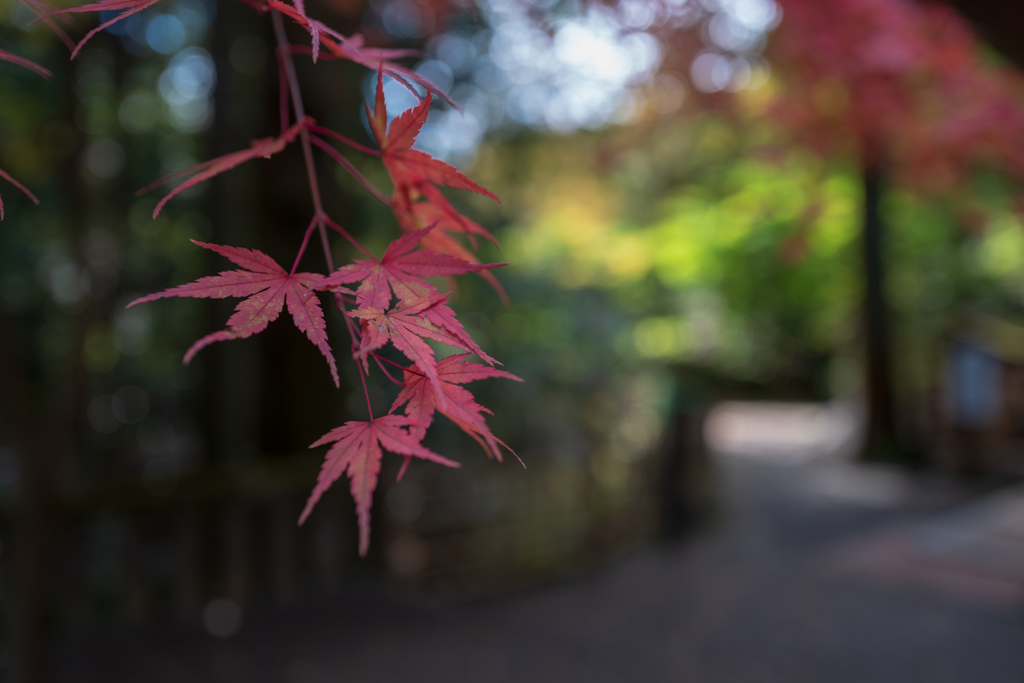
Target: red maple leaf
[443,316]
[406,327]
[264,147]
[416,174]
[125,7]
[45,73]
[413,216]
[18,185]
[357,450]
[40,8]
[458,406]
[407,166]
[268,287]
[27,63]
[401,270]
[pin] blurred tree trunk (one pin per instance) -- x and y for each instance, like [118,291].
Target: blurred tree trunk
[43,420]
[42,438]
[880,434]
[235,208]
[29,622]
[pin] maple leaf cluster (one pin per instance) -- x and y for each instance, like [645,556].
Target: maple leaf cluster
[392,298]
[385,300]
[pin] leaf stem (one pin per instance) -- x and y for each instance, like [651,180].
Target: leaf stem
[406,368]
[320,130]
[385,370]
[305,243]
[353,171]
[344,233]
[366,393]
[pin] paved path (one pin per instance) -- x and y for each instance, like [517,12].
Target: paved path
[789,588]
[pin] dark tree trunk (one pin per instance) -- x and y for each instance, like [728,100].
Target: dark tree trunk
[32,555]
[40,441]
[682,466]
[42,438]
[880,437]
[43,421]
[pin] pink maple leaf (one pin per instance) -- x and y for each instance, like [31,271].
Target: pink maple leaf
[406,328]
[401,270]
[18,185]
[264,147]
[357,451]
[268,288]
[126,7]
[407,166]
[45,73]
[458,405]
[27,63]
[416,201]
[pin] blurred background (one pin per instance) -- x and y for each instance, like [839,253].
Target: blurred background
[767,294]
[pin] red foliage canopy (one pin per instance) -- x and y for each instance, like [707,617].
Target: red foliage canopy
[905,80]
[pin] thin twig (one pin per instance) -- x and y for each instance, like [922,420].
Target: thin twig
[282,78]
[305,243]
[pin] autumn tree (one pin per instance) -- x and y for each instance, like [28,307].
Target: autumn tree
[902,90]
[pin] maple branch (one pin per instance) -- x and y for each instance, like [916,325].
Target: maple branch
[284,50]
[300,115]
[353,171]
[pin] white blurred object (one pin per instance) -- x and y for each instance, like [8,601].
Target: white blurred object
[782,432]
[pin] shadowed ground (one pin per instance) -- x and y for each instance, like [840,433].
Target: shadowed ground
[817,571]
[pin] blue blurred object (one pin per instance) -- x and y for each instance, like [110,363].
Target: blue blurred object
[975,380]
